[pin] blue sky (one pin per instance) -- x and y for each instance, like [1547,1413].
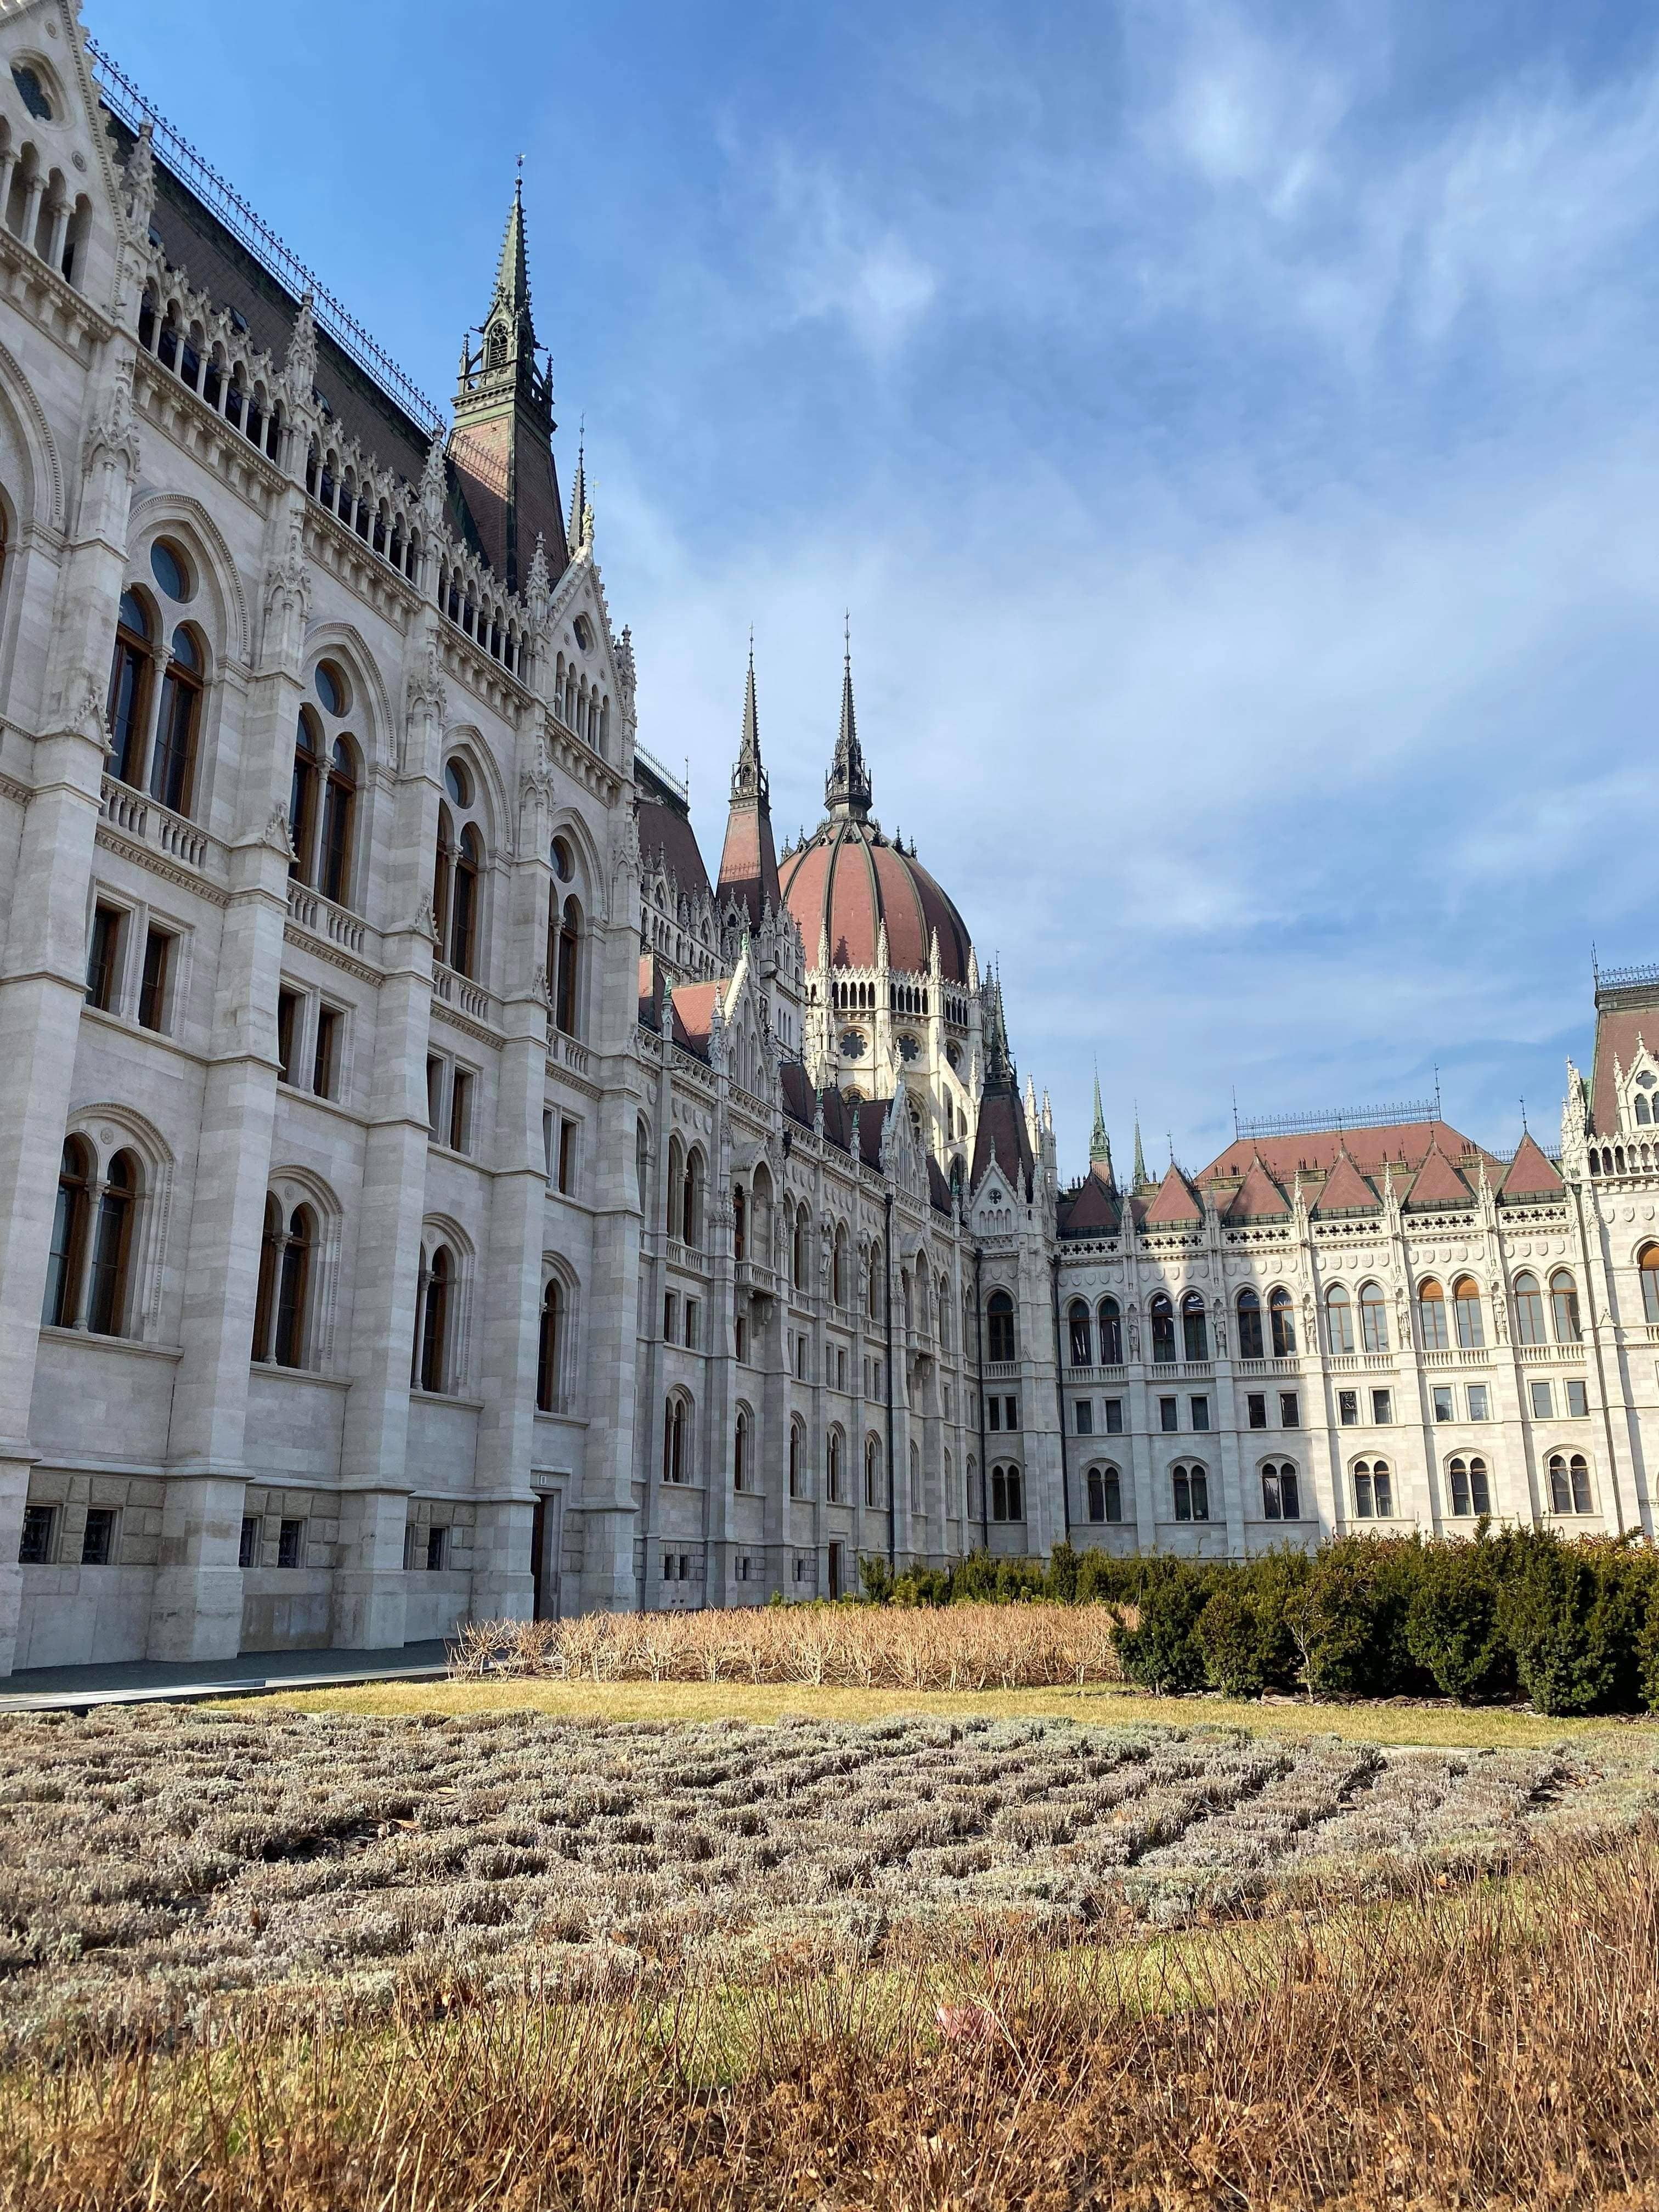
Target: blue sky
[1232,427]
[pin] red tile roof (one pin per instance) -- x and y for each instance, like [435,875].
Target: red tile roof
[848,880]
[694,1015]
[1176,1201]
[1405,1143]
[749,866]
[1258,1198]
[1002,1136]
[1090,1211]
[1531,1173]
[1347,1191]
[1438,1183]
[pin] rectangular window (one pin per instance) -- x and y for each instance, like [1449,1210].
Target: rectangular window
[1010,1407]
[1578,1401]
[1115,1416]
[668,1566]
[325,1059]
[841,1367]
[671,1315]
[1255,1409]
[1478,1402]
[38,1523]
[153,985]
[290,1544]
[1200,1412]
[1086,1416]
[1443,1402]
[994,1404]
[98,1540]
[740,1338]
[411,1547]
[568,1157]
[437,1550]
[742,1568]
[547,1148]
[460,1111]
[1382,1408]
[1543,1401]
[288,1023]
[693,1323]
[247,1551]
[103,955]
[1289,1410]
[1347,1407]
[435,1095]
[1167,1410]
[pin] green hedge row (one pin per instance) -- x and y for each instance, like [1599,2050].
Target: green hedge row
[1574,1627]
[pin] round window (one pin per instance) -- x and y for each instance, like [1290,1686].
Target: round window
[458,784]
[167,566]
[909,1047]
[851,1043]
[953,1053]
[563,867]
[331,688]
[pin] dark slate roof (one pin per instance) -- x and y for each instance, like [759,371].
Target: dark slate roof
[1003,1137]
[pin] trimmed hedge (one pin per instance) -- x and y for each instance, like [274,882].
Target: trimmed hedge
[1572,1625]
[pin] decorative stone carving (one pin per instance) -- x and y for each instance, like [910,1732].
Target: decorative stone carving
[111,436]
[433,487]
[278,834]
[300,368]
[138,191]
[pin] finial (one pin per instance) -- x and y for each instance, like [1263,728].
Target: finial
[847,639]
[1523,1117]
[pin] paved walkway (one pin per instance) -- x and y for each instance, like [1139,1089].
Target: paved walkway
[76,1689]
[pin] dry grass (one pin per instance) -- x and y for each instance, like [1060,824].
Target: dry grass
[1484,2047]
[961,1648]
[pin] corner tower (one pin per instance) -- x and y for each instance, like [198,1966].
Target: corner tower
[502,447]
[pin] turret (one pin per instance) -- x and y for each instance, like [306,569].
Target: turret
[749,860]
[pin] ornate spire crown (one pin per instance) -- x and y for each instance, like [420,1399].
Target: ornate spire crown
[749,780]
[846,787]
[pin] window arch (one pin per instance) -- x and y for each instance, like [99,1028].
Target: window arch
[739,1222]
[838,1267]
[1082,1333]
[833,1451]
[435,1320]
[1530,1310]
[457,869]
[797,1457]
[676,1186]
[1190,1490]
[1162,1319]
[798,1246]
[172,762]
[1373,1490]
[1563,1307]
[677,1438]
[872,1300]
[975,1491]
[1373,1317]
[944,1314]
[642,1161]
[1195,1327]
[1281,1491]
[549,1348]
[1248,1307]
[302,795]
[743,1470]
[128,711]
[66,1261]
[1643,1111]
[872,1470]
[108,1284]
[1339,1321]
[1647,1261]
[1569,1484]
[1110,1323]
[999,1327]
[1466,1308]
[1471,1490]
[1105,1489]
[1281,1315]
[1431,1315]
[339,823]
[692,1198]
[564,954]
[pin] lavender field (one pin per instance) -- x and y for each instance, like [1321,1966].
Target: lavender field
[149,1858]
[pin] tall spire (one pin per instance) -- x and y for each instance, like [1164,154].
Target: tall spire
[749,860]
[1100,1144]
[846,787]
[576,529]
[1141,1157]
[512,277]
[999,1062]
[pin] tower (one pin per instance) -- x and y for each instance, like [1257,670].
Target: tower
[748,860]
[846,787]
[501,446]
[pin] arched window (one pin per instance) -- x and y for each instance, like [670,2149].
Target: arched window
[1105,1494]
[270,1260]
[1249,1309]
[549,1348]
[999,1327]
[1644,1112]
[1097,1488]
[873,1303]
[1111,1333]
[107,1286]
[838,1268]
[172,769]
[1378,1488]
[443,872]
[676,1187]
[691,1210]
[1281,1491]
[1648,1261]
[1560,1488]
[1339,1319]
[739,1221]
[976,1492]
[1530,1310]
[1281,1315]
[798,1251]
[464,903]
[1563,1307]
[642,1161]
[1431,1317]
[1163,1315]
[437,1279]
[293,1287]
[339,815]
[1471,1490]
[1016,1495]
[1083,1349]
[1364,1502]
[676,1441]
[66,1259]
[797,1459]
[832,1467]
[871,1471]
[1466,1306]
[303,797]
[944,1314]
[1191,1488]
[740,1450]
[565,965]
[129,691]
[1373,1318]
[915,1477]
[999,1494]
[1581,1484]
[1195,1327]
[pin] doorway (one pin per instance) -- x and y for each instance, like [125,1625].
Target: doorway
[546,1554]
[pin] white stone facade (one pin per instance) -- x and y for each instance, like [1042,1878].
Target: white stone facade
[414,1200]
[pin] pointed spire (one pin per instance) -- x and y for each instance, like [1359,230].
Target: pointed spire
[1141,1175]
[578,529]
[846,787]
[749,780]
[999,1062]
[513,276]
[1100,1144]
[749,863]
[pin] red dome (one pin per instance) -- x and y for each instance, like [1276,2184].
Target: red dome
[848,879]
